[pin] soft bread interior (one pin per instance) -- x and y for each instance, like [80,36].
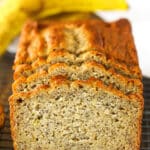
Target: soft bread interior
[76,117]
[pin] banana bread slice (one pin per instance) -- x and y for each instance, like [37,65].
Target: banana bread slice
[85,71]
[40,54]
[63,56]
[76,115]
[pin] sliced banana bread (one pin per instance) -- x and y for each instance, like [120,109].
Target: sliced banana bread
[113,40]
[77,87]
[76,115]
[85,71]
[87,57]
[57,56]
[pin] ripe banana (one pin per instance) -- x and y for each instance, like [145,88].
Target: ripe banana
[13,13]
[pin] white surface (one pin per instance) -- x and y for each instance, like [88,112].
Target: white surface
[139,16]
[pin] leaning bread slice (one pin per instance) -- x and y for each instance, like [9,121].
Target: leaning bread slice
[113,40]
[85,71]
[63,56]
[76,115]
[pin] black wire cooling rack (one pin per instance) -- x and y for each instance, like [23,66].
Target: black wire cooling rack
[5,91]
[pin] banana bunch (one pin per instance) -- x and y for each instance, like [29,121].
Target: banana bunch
[13,13]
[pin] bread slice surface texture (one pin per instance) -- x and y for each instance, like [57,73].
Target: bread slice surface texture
[76,115]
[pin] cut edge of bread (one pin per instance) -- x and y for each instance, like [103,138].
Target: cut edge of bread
[85,71]
[61,85]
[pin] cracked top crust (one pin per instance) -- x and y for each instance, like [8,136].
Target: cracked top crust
[114,40]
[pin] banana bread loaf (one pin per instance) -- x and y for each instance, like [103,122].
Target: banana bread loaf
[77,86]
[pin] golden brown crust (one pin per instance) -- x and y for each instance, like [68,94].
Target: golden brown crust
[113,63]
[114,40]
[58,81]
[133,85]
[58,56]
[122,79]
[22,70]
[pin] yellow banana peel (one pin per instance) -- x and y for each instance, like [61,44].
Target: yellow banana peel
[13,13]
[11,21]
